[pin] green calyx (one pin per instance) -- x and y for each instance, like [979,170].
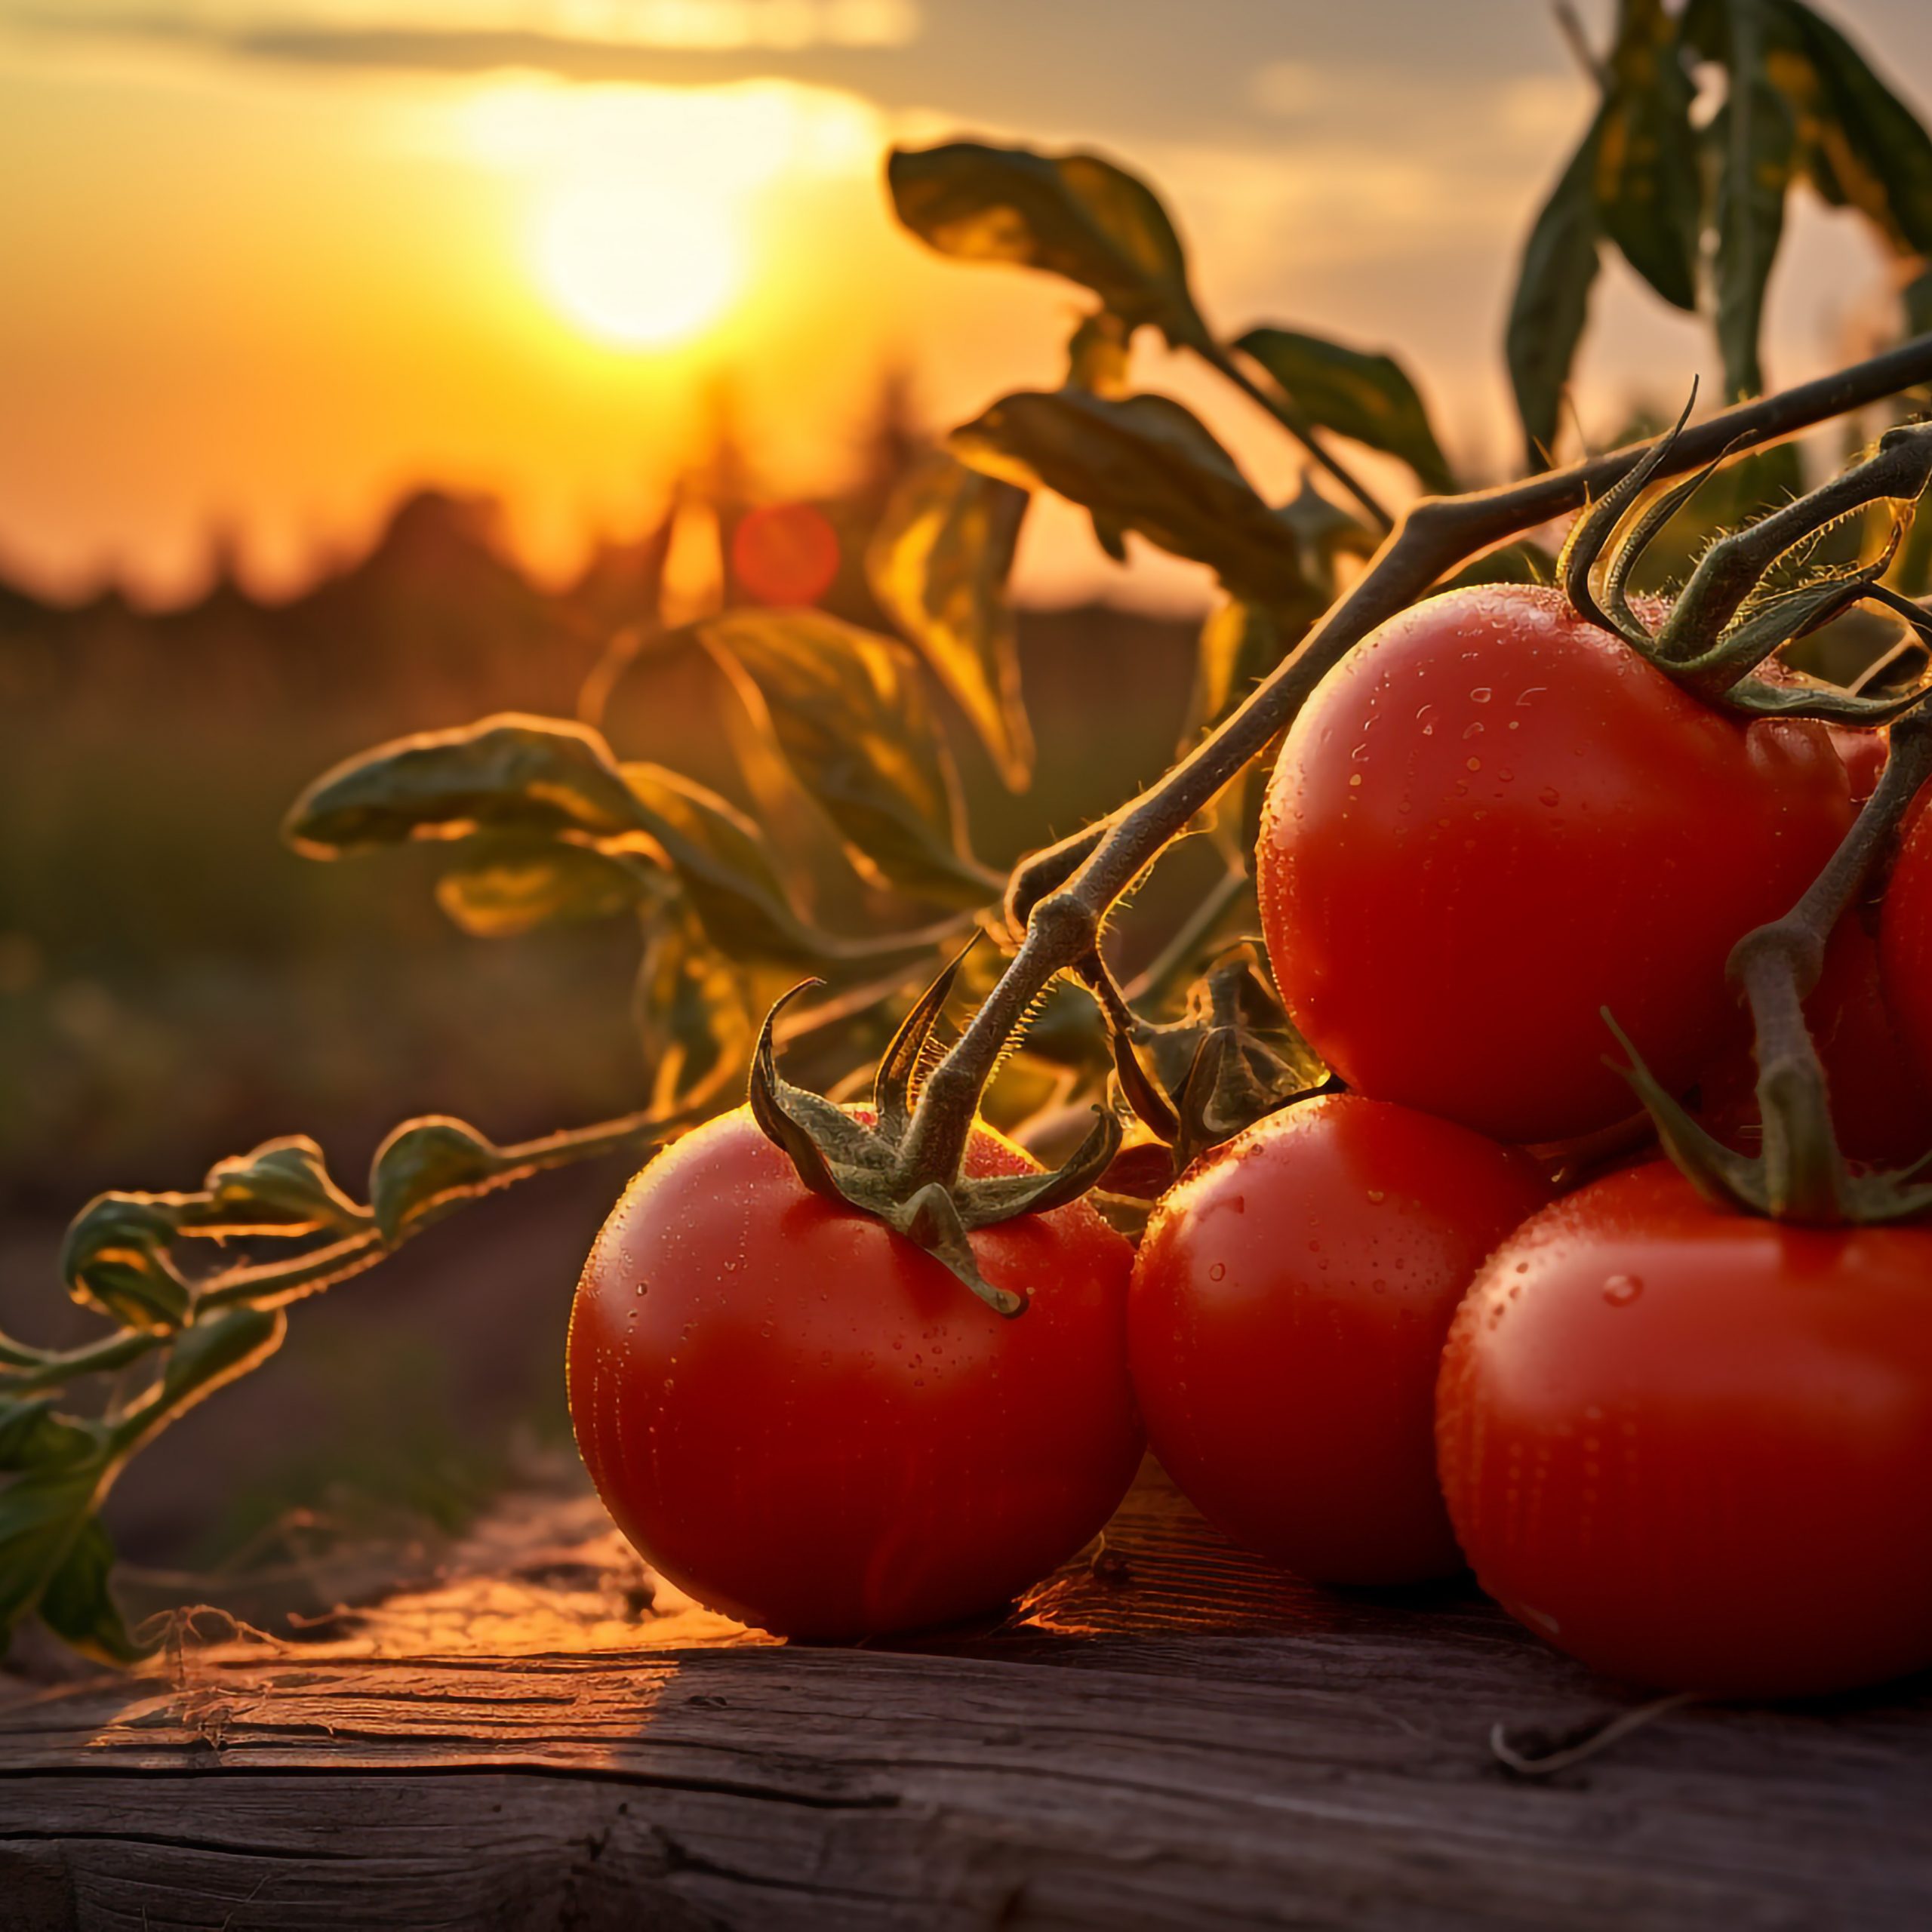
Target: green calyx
[874,1168]
[1755,590]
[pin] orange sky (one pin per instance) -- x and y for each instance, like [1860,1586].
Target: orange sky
[261,288]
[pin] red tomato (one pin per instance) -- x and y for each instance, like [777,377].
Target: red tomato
[1905,943]
[807,1422]
[1493,818]
[1881,1107]
[1691,1448]
[1286,1325]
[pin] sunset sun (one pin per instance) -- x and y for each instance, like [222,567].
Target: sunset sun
[639,266]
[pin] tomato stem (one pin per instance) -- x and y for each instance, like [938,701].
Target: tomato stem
[1061,896]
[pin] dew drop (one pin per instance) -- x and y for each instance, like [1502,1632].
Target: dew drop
[1377,1196]
[1218,1272]
[1621,1290]
[1549,795]
[1475,764]
[1481,694]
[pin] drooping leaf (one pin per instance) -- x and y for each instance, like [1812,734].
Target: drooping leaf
[32,1435]
[1647,184]
[938,564]
[846,710]
[728,871]
[427,1166]
[42,1516]
[510,773]
[1074,215]
[1753,144]
[115,1259]
[695,1029]
[1877,151]
[1149,466]
[77,1603]
[1357,393]
[282,1187]
[215,1350]
[1551,301]
[498,887]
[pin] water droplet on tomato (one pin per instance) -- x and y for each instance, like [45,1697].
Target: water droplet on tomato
[1549,795]
[1377,1196]
[1218,1272]
[1621,1290]
[1482,694]
[1475,764]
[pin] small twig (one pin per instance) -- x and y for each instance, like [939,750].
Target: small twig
[1597,1740]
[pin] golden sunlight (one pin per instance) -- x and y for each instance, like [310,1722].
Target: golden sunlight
[640,265]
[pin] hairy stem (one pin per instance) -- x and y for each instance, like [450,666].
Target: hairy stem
[1063,894]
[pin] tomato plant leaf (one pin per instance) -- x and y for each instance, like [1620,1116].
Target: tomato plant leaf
[1366,396]
[33,1436]
[282,1188]
[1753,140]
[214,1351]
[848,713]
[1240,644]
[509,773]
[42,1516]
[938,564]
[500,885]
[1647,184]
[689,1006]
[1074,215]
[1148,465]
[115,1261]
[728,871]
[1551,301]
[427,1166]
[1878,154]
[77,1602]
[1099,353]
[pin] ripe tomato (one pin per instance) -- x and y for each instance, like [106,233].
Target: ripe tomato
[1880,1106]
[1286,1325]
[1493,818]
[1690,1447]
[807,1422]
[1905,943]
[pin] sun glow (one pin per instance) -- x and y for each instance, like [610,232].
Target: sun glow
[637,264]
[650,208]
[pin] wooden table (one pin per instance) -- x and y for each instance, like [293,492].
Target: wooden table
[1168,1734]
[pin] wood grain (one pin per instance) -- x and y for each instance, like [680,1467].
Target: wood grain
[1170,1735]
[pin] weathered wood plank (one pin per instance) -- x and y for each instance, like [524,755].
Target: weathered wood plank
[1172,1737]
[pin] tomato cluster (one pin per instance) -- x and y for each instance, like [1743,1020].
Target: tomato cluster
[1366,1336]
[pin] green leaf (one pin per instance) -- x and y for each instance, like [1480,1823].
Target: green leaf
[729,875]
[115,1259]
[938,564]
[215,1350]
[1753,139]
[510,773]
[851,719]
[1551,301]
[1648,187]
[33,1436]
[1879,152]
[282,1188]
[499,886]
[692,1019]
[1149,466]
[78,1604]
[1357,393]
[43,1516]
[427,1166]
[1073,215]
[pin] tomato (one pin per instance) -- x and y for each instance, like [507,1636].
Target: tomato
[1881,1106]
[1493,818]
[1690,1447]
[808,1423]
[1905,943]
[1289,1304]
